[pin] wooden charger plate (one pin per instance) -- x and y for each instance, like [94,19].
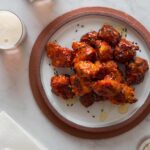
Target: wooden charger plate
[102,119]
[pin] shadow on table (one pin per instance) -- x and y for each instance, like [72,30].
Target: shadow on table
[42,10]
[14,62]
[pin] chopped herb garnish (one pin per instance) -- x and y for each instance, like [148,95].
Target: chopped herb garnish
[76,30]
[71,68]
[69,89]
[82,26]
[94,97]
[77,82]
[90,39]
[93,116]
[102,110]
[99,47]
[88,111]
[78,25]
[80,48]
[67,75]
[55,72]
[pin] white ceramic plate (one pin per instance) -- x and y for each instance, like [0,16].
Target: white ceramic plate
[100,114]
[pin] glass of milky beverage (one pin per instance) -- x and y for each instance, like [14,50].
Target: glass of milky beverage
[12,30]
[144,143]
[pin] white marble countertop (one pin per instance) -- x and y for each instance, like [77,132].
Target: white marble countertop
[15,93]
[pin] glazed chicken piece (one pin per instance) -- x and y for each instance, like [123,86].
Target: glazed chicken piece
[109,34]
[125,51]
[112,71]
[110,65]
[104,50]
[79,86]
[135,70]
[61,57]
[97,70]
[116,92]
[89,38]
[88,99]
[83,52]
[61,86]
[89,70]
[116,75]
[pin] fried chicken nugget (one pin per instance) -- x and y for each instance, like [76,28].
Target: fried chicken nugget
[104,50]
[125,51]
[135,70]
[116,75]
[61,57]
[61,86]
[110,66]
[112,71]
[88,99]
[89,38]
[79,86]
[89,70]
[116,92]
[109,34]
[83,52]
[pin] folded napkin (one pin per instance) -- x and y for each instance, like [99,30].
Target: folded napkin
[14,137]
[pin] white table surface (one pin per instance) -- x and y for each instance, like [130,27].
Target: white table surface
[15,93]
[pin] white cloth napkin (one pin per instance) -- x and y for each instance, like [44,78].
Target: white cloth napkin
[14,137]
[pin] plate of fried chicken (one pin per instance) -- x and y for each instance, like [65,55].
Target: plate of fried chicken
[91,69]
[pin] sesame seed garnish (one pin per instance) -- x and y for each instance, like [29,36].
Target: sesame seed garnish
[55,72]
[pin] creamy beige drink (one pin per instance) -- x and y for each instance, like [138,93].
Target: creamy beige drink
[11,30]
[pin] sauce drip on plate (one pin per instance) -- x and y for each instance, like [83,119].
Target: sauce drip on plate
[122,109]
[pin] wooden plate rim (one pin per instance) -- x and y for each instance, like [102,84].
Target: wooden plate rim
[38,91]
